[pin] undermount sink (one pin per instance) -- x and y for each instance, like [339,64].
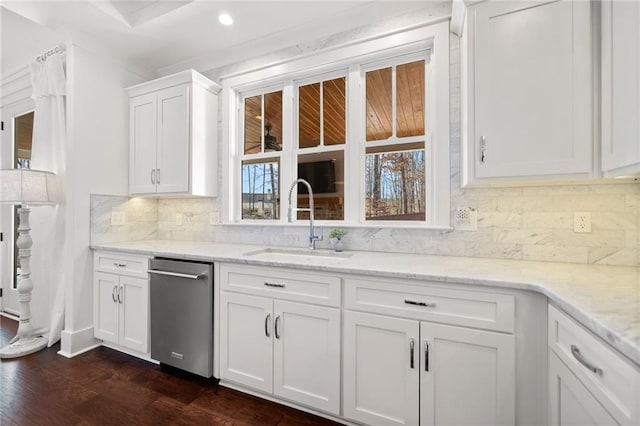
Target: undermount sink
[282,253]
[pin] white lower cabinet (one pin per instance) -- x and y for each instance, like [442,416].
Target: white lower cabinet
[121,310]
[589,382]
[407,372]
[121,300]
[289,349]
[570,402]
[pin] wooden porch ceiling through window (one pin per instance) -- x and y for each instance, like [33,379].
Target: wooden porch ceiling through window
[410,95]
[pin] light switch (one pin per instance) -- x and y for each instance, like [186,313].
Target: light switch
[118,218]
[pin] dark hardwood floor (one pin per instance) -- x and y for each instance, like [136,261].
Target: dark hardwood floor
[106,387]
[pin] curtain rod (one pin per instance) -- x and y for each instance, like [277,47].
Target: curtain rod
[59,49]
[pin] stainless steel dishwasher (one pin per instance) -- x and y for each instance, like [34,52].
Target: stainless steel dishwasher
[182,314]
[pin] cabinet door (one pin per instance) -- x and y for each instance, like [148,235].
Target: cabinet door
[105,306]
[307,355]
[134,313]
[173,140]
[246,339]
[620,87]
[142,139]
[467,376]
[532,76]
[380,380]
[570,403]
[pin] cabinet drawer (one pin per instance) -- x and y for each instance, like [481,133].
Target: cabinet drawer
[122,264]
[282,284]
[476,309]
[613,380]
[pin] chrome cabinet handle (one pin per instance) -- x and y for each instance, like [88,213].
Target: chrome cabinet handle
[274,285]
[575,351]
[426,304]
[426,355]
[276,327]
[113,294]
[266,325]
[483,148]
[119,265]
[153,174]
[411,350]
[158,176]
[120,297]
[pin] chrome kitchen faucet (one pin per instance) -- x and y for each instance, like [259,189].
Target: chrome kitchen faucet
[312,237]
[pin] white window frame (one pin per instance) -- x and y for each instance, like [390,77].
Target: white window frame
[426,138]
[280,155]
[322,148]
[355,56]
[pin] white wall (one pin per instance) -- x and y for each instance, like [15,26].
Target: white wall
[21,40]
[98,158]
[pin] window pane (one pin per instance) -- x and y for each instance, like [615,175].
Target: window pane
[395,185]
[253,124]
[309,115]
[23,125]
[333,108]
[410,99]
[379,104]
[325,173]
[260,190]
[273,121]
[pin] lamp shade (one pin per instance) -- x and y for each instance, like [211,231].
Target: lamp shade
[26,186]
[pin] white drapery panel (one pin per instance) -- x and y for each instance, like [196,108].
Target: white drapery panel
[49,255]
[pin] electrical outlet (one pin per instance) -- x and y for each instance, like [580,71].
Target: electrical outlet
[466,219]
[178,219]
[582,222]
[118,218]
[214,218]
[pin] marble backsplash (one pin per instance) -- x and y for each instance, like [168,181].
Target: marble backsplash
[528,223]
[140,217]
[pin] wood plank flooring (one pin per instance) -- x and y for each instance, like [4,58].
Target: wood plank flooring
[106,387]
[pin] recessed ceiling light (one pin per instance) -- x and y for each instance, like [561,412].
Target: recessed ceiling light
[225,19]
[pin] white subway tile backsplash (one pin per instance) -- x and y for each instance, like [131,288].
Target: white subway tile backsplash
[621,257]
[521,204]
[589,202]
[522,235]
[549,253]
[548,220]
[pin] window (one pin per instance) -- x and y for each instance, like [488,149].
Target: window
[262,143]
[321,119]
[369,131]
[395,143]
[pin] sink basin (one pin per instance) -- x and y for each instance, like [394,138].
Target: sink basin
[283,253]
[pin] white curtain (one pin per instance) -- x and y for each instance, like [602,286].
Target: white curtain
[49,252]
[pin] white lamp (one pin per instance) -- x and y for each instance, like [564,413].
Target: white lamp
[26,187]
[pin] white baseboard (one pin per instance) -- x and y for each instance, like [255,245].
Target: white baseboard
[73,343]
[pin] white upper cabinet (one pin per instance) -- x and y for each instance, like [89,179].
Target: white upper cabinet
[527,91]
[173,122]
[620,87]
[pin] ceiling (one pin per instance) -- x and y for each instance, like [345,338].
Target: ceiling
[166,36]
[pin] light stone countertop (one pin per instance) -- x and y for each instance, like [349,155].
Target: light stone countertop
[605,299]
